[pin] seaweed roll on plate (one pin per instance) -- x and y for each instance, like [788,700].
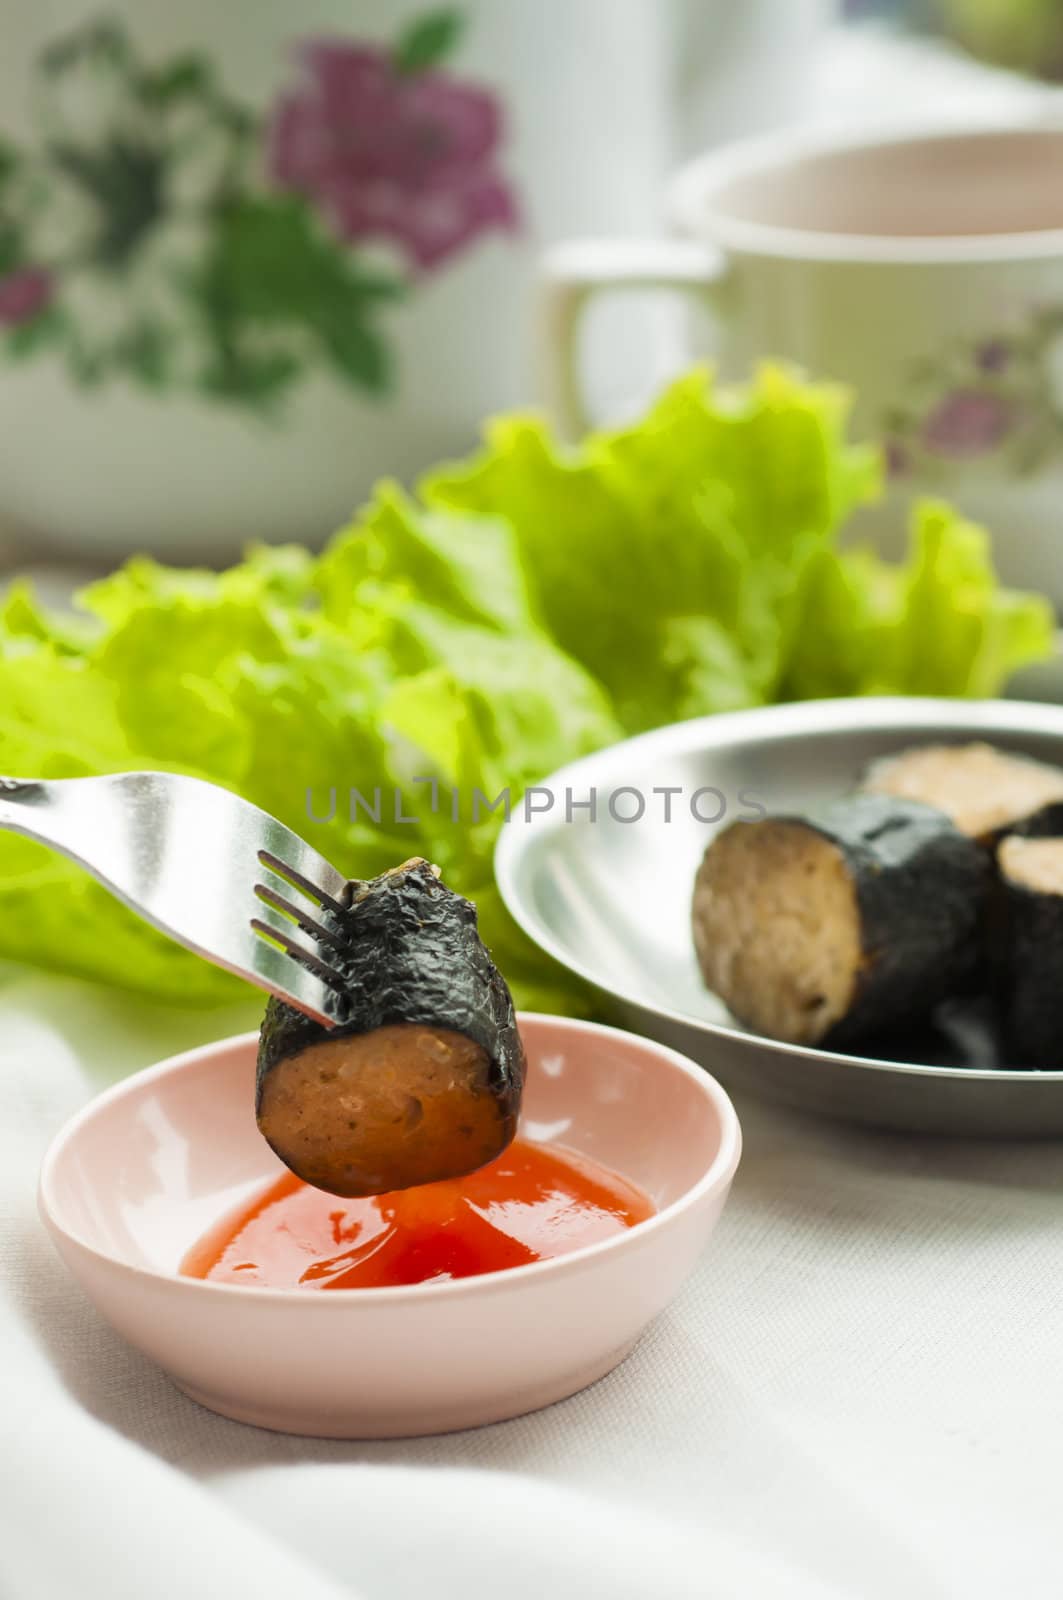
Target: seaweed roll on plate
[421,1077]
[858,917]
[986,792]
[1031,960]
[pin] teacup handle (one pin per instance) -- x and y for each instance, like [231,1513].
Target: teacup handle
[572,273]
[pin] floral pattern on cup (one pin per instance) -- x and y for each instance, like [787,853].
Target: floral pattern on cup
[158,230]
[405,156]
[998,398]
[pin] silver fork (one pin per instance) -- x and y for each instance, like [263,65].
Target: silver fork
[191,858]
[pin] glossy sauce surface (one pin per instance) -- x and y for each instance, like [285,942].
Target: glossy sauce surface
[534,1202]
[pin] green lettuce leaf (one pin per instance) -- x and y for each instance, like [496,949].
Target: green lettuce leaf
[668,556]
[937,624]
[527,607]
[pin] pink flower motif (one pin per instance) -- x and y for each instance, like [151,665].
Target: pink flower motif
[966,423]
[388,154]
[22,294]
[896,458]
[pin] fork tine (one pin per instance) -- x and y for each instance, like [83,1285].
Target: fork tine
[296,880]
[269,965]
[301,918]
[279,935]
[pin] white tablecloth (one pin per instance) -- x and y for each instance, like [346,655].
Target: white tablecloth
[860,1393]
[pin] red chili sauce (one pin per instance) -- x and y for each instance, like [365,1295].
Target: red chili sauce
[534,1202]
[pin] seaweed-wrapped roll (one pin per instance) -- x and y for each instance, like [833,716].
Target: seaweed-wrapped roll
[421,1078]
[856,918]
[1029,956]
[987,792]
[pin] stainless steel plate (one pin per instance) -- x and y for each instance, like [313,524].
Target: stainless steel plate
[610,898]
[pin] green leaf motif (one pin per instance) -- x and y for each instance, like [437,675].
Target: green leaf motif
[359,353]
[102,42]
[145,351]
[273,263]
[186,77]
[271,269]
[9,162]
[11,254]
[47,328]
[428,40]
[258,379]
[126,181]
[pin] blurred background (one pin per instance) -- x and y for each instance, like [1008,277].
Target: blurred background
[254,257]
[1024,34]
[257,257]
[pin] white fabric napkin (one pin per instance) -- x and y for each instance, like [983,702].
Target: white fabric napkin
[858,1394]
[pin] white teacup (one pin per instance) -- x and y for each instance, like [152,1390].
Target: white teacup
[924,269]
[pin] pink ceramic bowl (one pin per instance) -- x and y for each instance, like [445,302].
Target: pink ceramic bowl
[138,1175]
